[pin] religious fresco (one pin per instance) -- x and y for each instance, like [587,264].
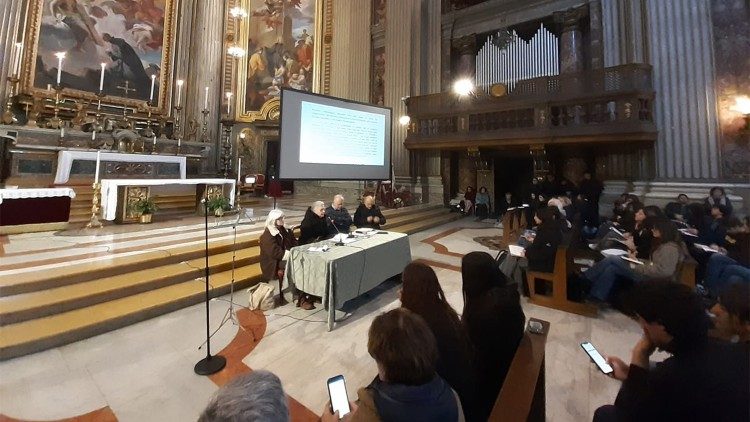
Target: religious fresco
[132,38]
[378,12]
[377,82]
[280,49]
[731,22]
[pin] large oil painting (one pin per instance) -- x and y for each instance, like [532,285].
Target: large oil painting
[282,38]
[131,38]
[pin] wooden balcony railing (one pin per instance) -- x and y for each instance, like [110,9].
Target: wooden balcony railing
[605,105]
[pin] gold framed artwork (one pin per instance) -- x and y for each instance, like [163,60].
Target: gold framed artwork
[134,40]
[285,41]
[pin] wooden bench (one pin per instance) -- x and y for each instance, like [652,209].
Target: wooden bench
[559,279]
[514,223]
[522,396]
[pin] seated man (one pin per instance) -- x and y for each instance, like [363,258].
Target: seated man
[368,214]
[732,314]
[338,217]
[314,226]
[677,210]
[257,396]
[703,380]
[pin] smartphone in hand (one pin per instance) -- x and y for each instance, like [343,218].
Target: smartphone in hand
[597,358]
[338,396]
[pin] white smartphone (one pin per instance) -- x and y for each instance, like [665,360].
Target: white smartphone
[337,394]
[597,358]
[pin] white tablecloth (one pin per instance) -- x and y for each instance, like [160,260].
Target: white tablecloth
[35,193]
[109,190]
[65,161]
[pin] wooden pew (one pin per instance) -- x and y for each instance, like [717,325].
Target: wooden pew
[559,279]
[514,223]
[522,396]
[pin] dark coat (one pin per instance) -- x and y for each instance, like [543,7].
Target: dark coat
[495,325]
[313,228]
[360,217]
[433,401]
[541,253]
[272,249]
[341,219]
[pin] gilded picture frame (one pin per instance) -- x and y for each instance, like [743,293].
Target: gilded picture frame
[121,35]
[256,34]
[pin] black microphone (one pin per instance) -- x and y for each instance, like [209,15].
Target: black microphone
[341,237]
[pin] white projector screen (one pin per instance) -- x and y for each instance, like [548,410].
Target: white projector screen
[327,138]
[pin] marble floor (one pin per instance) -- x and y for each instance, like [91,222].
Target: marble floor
[144,372]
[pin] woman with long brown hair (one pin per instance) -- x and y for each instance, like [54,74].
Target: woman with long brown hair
[421,293]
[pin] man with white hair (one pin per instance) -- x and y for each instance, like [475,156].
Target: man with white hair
[275,243]
[257,396]
[338,216]
[314,226]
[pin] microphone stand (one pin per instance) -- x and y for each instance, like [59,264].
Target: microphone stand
[341,237]
[210,364]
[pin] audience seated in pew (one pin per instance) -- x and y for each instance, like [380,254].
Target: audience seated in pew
[421,293]
[677,210]
[539,254]
[254,397]
[314,226]
[494,321]
[483,203]
[722,271]
[368,214]
[407,388]
[641,239]
[717,196]
[732,314]
[668,253]
[702,380]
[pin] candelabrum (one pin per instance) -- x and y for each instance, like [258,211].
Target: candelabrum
[56,122]
[8,116]
[226,147]
[204,131]
[94,222]
[176,134]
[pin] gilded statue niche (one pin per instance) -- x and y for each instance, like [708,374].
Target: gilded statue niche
[287,44]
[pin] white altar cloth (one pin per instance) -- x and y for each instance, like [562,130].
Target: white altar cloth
[35,193]
[109,190]
[65,161]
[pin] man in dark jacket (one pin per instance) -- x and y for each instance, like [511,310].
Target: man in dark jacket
[368,214]
[314,226]
[703,379]
[338,216]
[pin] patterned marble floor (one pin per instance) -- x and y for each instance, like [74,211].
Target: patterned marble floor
[144,372]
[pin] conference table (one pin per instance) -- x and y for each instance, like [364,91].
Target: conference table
[342,273]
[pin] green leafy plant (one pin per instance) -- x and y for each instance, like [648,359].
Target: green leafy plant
[219,202]
[144,206]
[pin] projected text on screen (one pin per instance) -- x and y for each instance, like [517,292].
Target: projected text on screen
[333,135]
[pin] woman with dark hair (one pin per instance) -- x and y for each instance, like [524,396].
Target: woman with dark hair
[470,196]
[639,241]
[483,203]
[421,293]
[668,252]
[717,196]
[407,387]
[539,255]
[494,320]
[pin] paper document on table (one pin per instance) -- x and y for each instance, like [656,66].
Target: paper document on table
[516,250]
[318,248]
[364,230]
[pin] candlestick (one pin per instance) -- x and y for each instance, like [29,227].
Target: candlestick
[98,162]
[229,103]
[205,103]
[153,82]
[179,91]
[60,56]
[101,78]
[94,222]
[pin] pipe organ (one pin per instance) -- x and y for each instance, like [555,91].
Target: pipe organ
[518,60]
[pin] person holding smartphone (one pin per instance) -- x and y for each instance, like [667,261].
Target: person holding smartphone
[703,379]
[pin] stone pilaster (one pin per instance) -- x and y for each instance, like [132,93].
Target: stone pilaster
[466,56]
[571,40]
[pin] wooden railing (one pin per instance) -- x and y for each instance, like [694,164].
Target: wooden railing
[609,104]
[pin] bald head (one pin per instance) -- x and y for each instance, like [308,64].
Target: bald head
[338,202]
[369,201]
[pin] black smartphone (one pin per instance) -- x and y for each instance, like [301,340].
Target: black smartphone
[597,358]
[337,394]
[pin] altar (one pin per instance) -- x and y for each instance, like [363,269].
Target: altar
[154,166]
[29,210]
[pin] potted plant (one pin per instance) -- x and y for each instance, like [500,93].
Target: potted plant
[145,208]
[218,205]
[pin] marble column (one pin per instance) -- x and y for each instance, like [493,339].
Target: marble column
[11,16]
[182,55]
[350,56]
[206,50]
[571,41]
[596,34]
[466,61]
[625,31]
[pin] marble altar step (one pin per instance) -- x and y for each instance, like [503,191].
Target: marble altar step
[422,224]
[56,330]
[169,205]
[23,307]
[407,218]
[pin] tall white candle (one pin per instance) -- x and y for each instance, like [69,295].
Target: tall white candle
[101,78]
[153,82]
[179,91]
[17,56]
[93,136]
[205,102]
[229,103]
[60,56]
[98,163]
[239,169]
[179,142]
[154,142]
